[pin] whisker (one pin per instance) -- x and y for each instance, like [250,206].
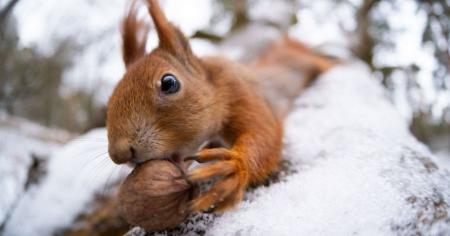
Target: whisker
[84,151]
[99,169]
[106,185]
[94,158]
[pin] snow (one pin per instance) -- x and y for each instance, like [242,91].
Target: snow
[443,158]
[15,161]
[75,173]
[278,12]
[357,167]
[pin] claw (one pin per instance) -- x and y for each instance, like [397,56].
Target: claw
[220,190]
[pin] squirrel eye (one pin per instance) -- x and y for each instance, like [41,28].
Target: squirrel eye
[169,84]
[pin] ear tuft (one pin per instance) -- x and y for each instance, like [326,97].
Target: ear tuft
[134,35]
[171,38]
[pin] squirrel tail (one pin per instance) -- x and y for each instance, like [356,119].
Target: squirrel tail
[285,69]
[296,56]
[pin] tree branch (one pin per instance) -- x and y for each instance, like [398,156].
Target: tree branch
[4,13]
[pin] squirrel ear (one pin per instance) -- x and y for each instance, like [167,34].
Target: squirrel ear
[134,36]
[170,37]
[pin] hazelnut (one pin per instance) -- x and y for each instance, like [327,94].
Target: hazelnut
[155,196]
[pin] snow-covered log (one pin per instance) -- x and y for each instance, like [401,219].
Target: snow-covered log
[354,169]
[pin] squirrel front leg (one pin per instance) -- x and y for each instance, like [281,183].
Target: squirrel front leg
[255,152]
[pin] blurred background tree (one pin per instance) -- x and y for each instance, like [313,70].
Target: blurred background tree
[430,121]
[30,84]
[437,35]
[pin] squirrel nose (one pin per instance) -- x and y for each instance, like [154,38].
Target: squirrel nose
[122,152]
[122,156]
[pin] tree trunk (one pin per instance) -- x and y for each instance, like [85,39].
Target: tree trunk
[364,43]
[4,13]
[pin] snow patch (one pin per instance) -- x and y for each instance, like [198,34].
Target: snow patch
[16,149]
[75,173]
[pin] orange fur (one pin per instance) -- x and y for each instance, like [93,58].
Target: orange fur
[218,99]
[134,35]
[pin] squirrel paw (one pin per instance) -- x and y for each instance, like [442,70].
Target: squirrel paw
[229,189]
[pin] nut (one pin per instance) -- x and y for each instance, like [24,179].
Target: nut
[155,196]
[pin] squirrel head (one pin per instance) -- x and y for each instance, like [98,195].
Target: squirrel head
[159,109]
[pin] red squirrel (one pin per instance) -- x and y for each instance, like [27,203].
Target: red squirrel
[170,102]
